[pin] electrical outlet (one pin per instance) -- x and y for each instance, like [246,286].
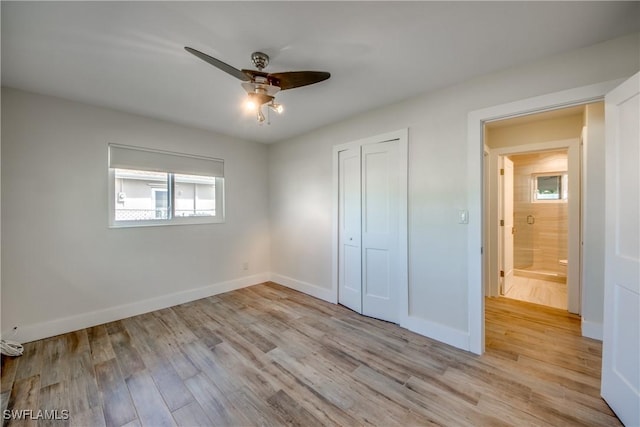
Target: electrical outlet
[245,266]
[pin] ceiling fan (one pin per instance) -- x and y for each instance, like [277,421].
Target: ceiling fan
[261,86]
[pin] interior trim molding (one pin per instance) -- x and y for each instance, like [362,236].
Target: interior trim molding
[592,330]
[36,331]
[326,294]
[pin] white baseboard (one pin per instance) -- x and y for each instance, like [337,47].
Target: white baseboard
[454,337]
[304,287]
[27,333]
[592,330]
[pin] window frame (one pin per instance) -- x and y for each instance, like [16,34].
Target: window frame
[564,187]
[219,217]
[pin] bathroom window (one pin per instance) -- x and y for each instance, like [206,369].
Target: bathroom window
[549,188]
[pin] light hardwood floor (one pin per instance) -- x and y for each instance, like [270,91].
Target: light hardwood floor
[267,355]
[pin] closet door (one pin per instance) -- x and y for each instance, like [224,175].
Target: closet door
[380,211]
[349,231]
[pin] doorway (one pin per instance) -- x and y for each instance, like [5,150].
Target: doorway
[534,217]
[621,97]
[535,236]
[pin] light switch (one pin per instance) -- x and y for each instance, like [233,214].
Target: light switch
[463,216]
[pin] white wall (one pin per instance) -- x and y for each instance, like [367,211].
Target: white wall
[555,129]
[300,177]
[593,222]
[63,268]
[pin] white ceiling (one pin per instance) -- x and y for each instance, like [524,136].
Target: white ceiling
[129,55]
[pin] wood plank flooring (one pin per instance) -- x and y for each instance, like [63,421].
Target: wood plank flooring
[267,355]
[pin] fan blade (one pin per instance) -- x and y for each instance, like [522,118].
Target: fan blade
[252,74]
[295,79]
[219,64]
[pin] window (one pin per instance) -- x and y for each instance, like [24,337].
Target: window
[549,187]
[149,187]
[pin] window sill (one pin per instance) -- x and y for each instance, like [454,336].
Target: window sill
[166,222]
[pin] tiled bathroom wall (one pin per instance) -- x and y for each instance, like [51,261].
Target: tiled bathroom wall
[541,229]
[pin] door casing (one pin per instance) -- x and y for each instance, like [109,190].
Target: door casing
[507,225]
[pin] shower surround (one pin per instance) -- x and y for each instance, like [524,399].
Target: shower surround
[541,228]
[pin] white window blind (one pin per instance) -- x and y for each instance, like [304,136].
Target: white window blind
[126,157]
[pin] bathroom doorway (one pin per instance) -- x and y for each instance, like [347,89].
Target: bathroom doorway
[535,233]
[533,208]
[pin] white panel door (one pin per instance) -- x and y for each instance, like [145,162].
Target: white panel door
[349,231]
[621,328]
[380,210]
[508,229]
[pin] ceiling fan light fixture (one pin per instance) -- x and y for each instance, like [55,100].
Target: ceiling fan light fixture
[278,108]
[256,99]
[250,105]
[260,117]
[262,87]
[259,98]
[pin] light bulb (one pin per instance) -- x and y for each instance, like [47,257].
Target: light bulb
[278,108]
[250,105]
[261,118]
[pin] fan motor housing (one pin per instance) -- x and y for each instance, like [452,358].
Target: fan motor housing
[260,60]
